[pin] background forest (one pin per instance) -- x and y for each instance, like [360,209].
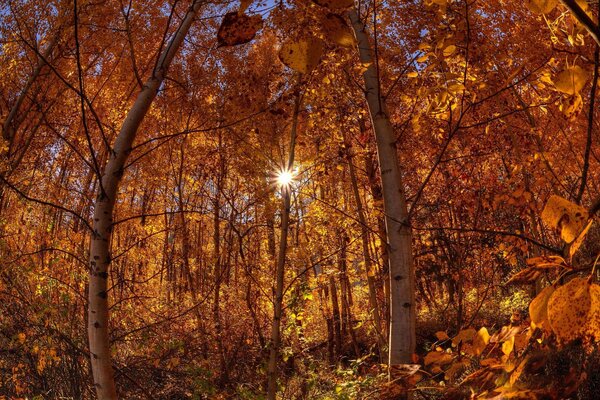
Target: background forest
[299,199]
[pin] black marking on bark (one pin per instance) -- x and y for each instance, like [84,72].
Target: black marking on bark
[103,275]
[398,277]
[96,324]
[103,294]
[96,258]
[406,305]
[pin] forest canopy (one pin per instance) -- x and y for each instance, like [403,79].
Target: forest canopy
[299,199]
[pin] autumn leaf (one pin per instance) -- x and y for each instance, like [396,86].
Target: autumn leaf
[238,29]
[541,6]
[508,345]
[570,308]
[571,106]
[592,327]
[449,50]
[567,217]
[538,308]
[464,336]
[302,55]
[337,30]
[438,358]
[571,80]
[580,239]
[481,340]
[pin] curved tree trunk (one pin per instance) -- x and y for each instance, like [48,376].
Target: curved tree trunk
[100,258]
[399,235]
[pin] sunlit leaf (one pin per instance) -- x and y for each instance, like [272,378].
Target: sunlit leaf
[569,308]
[481,340]
[508,346]
[538,308]
[449,50]
[541,6]
[571,80]
[567,217]
[302,55]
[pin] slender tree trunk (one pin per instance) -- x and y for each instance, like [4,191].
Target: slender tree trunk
[100,258]
[272,371]
[399,235]
[373,304]
[337,321]
[370,161]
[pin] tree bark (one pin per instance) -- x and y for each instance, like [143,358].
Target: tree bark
[280,269]
[98,333]
[399,235]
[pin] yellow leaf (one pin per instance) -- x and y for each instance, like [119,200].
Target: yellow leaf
[563,215]
[541,6]
[412,74]
[538,308]
[455,88]
[481,340]
[571,80]
[441,335]
[302,55]
[449,50]
[337,30]
[507,347]
[569,309]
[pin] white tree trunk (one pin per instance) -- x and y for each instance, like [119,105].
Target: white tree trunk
[399,236]
[100,258]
